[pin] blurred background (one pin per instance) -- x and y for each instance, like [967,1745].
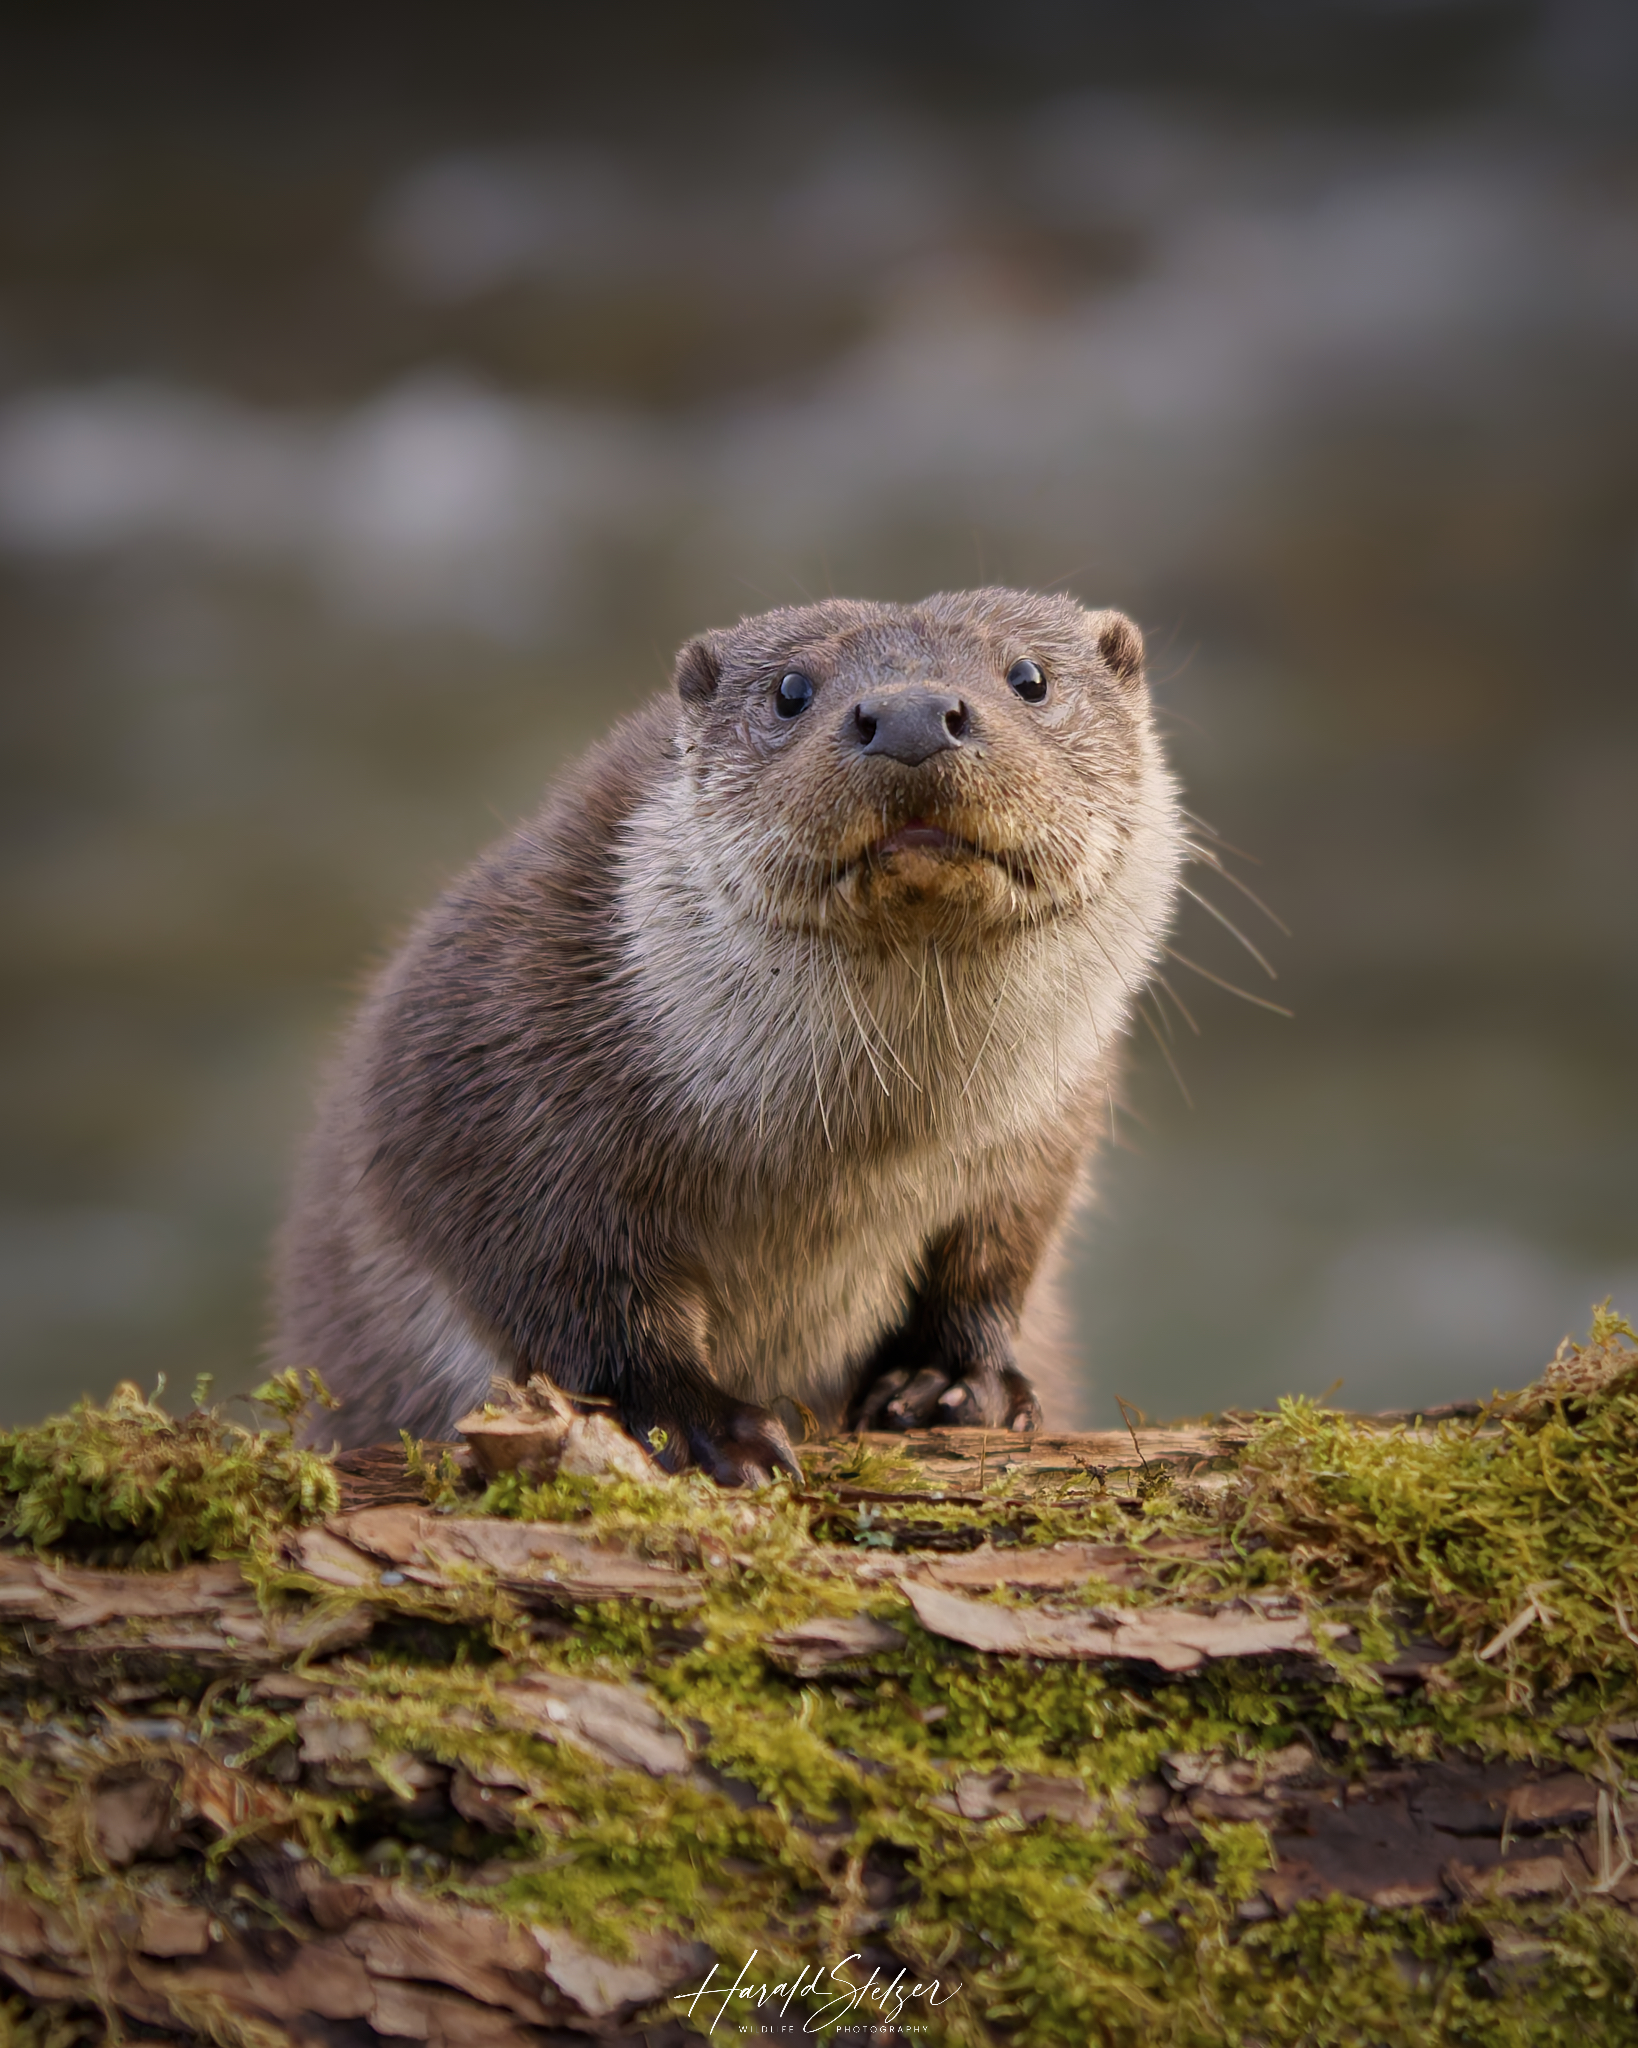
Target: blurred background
[383,396]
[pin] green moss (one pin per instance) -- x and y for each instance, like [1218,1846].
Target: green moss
[132,1485]
[1513,1537]
[27,2023]
[1338,1973]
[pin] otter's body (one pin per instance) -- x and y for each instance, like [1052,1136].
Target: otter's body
[767,1058]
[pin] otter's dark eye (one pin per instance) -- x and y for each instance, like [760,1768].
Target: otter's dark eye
[794,695]
[1028,681]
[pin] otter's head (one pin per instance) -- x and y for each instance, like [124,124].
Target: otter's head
[981,759]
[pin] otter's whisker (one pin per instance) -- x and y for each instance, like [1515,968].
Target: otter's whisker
[995,1013]
[1165,1053]
[944,992]
[1162,982]
[1208,858]
[1194,818]
[842,980]
[1086,998]
[887,1043]
[1206,974]
[1059,1011]
[1135,972]
[762,1098]
[918,967]
[1229,926]
[818,1084]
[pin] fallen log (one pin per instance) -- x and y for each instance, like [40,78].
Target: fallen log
[1304,1728]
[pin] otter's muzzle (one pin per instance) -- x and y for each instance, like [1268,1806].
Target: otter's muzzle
[908,725]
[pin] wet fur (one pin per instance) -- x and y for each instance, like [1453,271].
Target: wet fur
[685,1096]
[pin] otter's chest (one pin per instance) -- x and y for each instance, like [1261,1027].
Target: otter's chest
[849,1114]
[806,1281]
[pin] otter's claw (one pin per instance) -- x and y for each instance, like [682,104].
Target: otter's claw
[737,1443]
[934,1398]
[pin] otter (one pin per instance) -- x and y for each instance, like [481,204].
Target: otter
[765,1060]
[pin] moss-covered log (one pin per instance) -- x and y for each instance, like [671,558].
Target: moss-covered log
[1303,1728]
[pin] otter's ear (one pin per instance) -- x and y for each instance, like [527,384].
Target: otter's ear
[697,673]
[1119,642]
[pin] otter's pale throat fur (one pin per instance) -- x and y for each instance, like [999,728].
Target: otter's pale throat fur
[766,1059]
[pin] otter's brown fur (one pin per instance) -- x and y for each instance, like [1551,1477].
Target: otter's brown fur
[767,1057]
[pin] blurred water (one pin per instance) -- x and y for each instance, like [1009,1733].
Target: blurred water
[355,473]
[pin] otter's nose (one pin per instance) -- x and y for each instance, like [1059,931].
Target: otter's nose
[907,725]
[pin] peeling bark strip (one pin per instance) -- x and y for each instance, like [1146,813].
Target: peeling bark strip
[206,1613]
[839,1645]
[1173,1638]
[618,1723]
[329,1950]
[959,1453]
[531,1558]
[1418,1835]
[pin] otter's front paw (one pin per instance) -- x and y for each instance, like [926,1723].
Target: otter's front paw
[992,1397]
[737,1443]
